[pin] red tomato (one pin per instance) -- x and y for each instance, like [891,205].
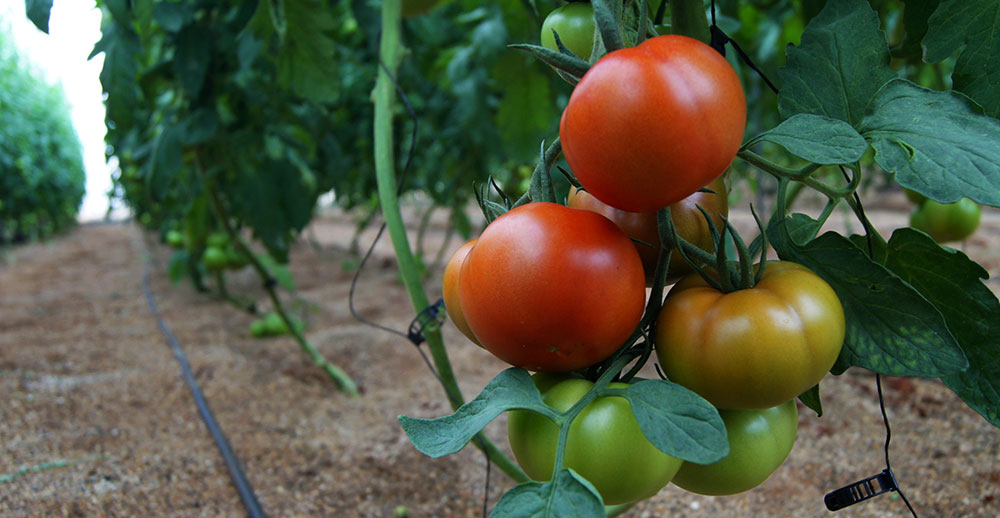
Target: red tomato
[452,302]
[552,289]
[641,226]
[647,126]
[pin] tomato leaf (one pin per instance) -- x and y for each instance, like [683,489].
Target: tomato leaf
[567,496]
[308,51]
[937,143]
[525,115]
[38,12]
[172,16]
[915,20]
[816,138]
[891,327]
[841,63]
[677,421]
[572,65]
[953,283]
[178,266]
[811,400]
[972,23]
[193,57]
[509,390]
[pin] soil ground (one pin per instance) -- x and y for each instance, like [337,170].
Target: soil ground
[95,419]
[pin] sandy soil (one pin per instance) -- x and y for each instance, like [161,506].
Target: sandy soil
[95,419]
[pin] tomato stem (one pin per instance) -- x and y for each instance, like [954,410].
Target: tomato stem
[390,54]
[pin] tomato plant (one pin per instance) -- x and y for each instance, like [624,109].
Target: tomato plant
[689,221]
[449,287]
[947,221]
[759,442]
[751,348]
[648,126]
[551,288]
[604,445]
[574,23]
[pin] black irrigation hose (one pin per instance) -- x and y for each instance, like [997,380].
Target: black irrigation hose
[239,478]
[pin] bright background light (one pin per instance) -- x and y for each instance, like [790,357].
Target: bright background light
[61,55]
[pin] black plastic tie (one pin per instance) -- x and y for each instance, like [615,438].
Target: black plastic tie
[861,490]
[433,313]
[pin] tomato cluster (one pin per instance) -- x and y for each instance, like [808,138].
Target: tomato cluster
[559,289]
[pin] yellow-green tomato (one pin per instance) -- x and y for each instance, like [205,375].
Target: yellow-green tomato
[605,445]
[947,222]
[574,23]
[751,348]
[759,442]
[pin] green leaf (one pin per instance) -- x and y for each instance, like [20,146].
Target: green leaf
[280,272]
[178,267]
[915,18]
[526,112]
[574,66]
[677,421]
[816,138]
[810,399]
[976,24]
[937,143]
[568,495]
[953,283]
[509,390]
[841,62]
[193,56]
[172,16]
[166,163]
[308,53]
[38,12]
[201,126]
[891,328]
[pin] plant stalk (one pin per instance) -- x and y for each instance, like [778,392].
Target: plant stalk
[687,18]
[384,96]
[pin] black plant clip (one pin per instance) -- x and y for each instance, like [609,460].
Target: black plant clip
[433,313]
[861,490]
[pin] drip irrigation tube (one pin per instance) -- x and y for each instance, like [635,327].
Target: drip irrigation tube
[246,492]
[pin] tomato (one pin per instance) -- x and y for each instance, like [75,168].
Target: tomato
[752,348]
[217,240]
[258,328]
[575,25]
[647,126]
[641,226]
[175,239]
[605,445]
[947,221]
[215,258]
[274,324]
[452,302]
[759,442]
[235,259]
[550,288]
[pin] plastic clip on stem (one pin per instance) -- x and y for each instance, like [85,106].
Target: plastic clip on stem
[860,491]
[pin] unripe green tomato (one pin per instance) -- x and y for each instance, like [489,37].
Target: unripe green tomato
[235,259]
[274,324]
[217,239]
[258,328]
[214,258]
[575,25]
[759,442]
[175,239]
[605,445]
[947,221]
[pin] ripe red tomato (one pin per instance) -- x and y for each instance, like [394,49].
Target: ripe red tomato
[752,348]
[759,442]
[550,288]
[605,445]
[452,302]
[641,226]
[648,126]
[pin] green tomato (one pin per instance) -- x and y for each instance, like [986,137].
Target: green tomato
[258,328]
[575,25]
[915,197]
[759,442]
[605,445]
[235,259]
[217,239]
[175,239]
[215,258]
[274,324]
[947,221]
